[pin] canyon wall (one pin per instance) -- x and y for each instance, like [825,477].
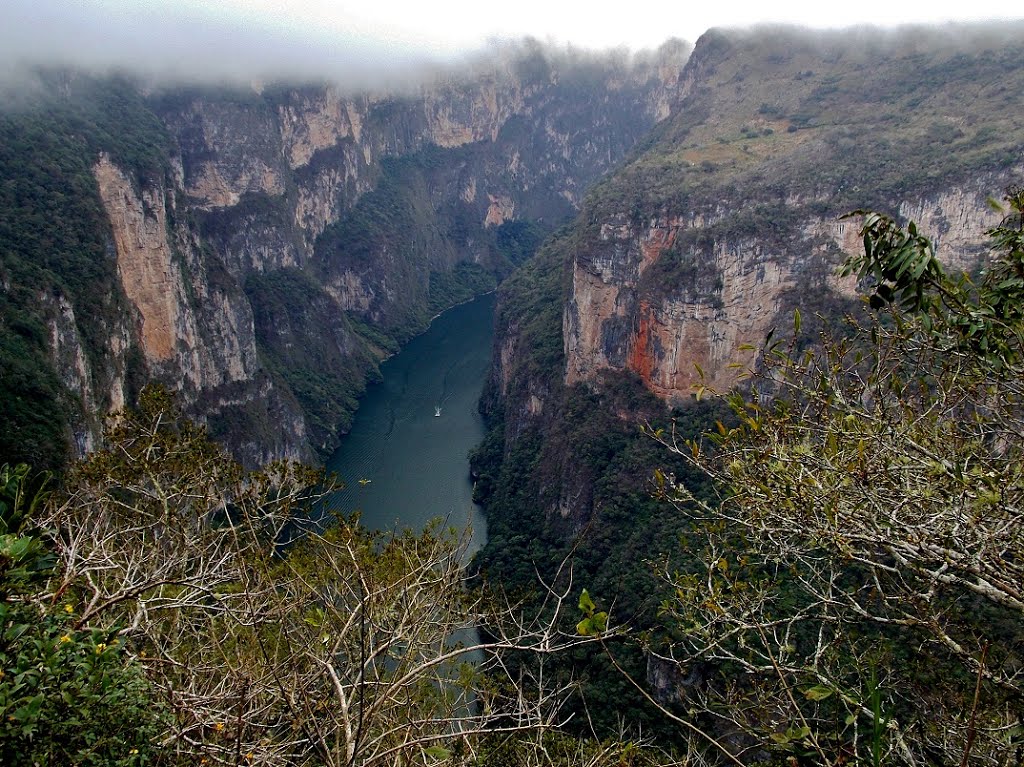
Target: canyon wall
[729,219]
[263,249]
[701,318]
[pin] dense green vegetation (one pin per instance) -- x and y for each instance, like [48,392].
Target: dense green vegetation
[54,242]
[324,367]
[69,694]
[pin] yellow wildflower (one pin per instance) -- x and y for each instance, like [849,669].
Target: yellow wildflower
[65,638]
[69,609]
[219,727]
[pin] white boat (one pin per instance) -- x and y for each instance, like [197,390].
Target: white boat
[437,412]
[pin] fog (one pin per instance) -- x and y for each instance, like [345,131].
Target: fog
[863,42]
[193,43]
[170,47]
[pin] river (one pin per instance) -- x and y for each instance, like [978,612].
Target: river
[402,465]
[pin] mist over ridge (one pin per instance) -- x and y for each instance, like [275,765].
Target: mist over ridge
[163,49]
[197,45]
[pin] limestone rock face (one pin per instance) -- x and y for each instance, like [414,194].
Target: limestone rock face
[286,219]
[195,333]
[731,216]
[734,291]
[72,365]
[144,258]
[151,274]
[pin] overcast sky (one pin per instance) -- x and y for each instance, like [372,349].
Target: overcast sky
[386,38]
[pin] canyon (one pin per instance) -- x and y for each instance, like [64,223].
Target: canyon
[275,243]
[646,224]
[729,217]
[260,250]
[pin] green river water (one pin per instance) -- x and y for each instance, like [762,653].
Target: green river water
[412,463]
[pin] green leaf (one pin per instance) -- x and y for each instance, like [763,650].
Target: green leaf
[437,752]
[586,603]
[592,625]
[818,692]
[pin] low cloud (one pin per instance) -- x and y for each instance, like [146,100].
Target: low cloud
[170,46]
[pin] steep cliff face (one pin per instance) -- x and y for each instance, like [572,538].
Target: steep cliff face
[546,121]
[193,327]
[727,220]
[395,206]
[263,249]
[743,190]
[671,301]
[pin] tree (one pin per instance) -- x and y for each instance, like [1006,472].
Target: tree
[345,647]
[67,695]
[857,594]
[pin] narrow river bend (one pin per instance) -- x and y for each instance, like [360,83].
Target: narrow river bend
[402,464]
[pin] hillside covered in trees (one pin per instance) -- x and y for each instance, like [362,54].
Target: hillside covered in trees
[721,225]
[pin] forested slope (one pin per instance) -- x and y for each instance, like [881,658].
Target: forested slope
[720,224]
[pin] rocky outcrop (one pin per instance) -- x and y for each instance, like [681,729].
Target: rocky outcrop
[145,265]
[195,332]
[729,219]
[680,316]
[72,365]
[318,150]
[732,215]
[189,329]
